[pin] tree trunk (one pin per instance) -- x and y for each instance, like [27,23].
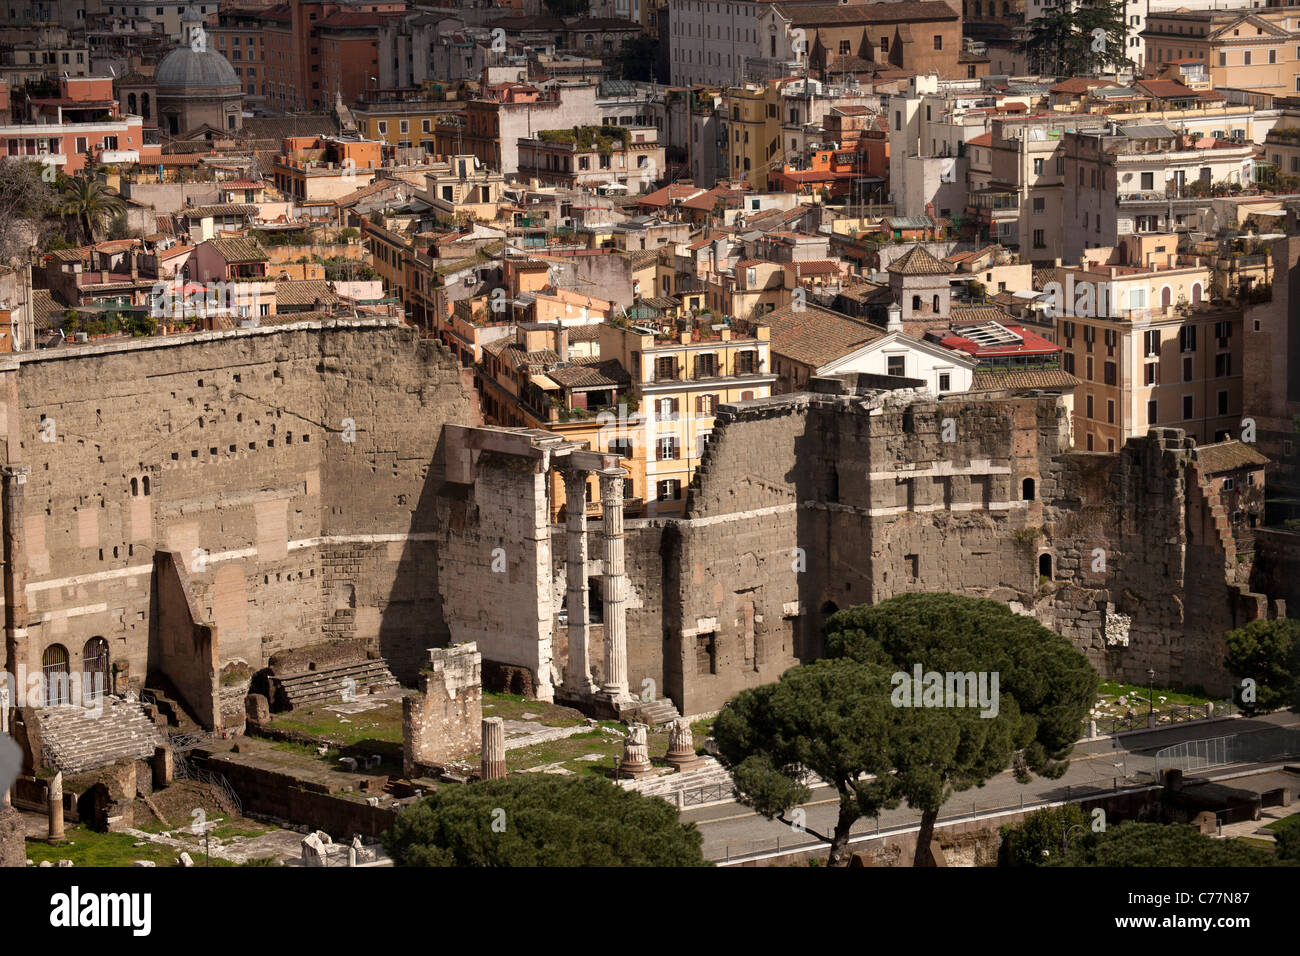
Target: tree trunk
[840,841]
[923,839]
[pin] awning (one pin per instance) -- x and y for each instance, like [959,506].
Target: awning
[544,383]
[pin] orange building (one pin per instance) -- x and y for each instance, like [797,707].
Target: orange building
[833,170]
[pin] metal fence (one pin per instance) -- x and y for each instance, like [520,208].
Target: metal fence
[1192,755]
[1172,714]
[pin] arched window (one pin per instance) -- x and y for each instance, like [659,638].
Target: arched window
[1166,297]
[144,105]
[145,481]
[1196,293]
[130,103]
[54,671]
[135,487]
[1045,565]
[1027,489]
[936,302]
[94,669]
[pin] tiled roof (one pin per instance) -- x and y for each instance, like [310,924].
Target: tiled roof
[1022,378]
[1226,456]
[918,262]
[908,11]
[814,336]
[593,374]
[46,313]
[238,250]
[292,292]
[814,267]
[1042,277]
[584,333]
[221,209]
[973,314]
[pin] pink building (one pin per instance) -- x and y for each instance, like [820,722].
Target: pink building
[59,129]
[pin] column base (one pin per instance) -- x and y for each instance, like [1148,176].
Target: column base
[684,762]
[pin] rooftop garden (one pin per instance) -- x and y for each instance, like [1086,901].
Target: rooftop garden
[604,139]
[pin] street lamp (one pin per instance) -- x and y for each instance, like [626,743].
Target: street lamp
[1151,697]
[1065,835]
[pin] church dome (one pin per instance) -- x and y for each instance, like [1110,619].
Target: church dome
[183,69]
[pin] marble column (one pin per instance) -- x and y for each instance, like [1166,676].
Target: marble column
[636,752]
[611,537]
[578,674]
[56,808]
[494,748]
[681,746]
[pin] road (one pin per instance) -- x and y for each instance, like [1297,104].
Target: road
[730,830]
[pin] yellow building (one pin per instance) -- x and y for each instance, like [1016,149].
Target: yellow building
[754,132]
[401,123]
[679,379]
[1250,49]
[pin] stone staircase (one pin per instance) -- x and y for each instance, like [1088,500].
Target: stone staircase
[329,684]
[655,712]
[712,781]
[172,710]
[75,740]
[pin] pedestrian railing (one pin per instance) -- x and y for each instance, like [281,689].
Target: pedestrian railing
[1193,755]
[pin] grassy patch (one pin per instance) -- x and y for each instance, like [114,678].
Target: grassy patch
[86,847]
[1110,691]
[382,723]
[514,706]
[1256,842]
[1286,823]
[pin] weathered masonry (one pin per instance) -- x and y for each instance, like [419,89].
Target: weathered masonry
[190,505]
[809,503]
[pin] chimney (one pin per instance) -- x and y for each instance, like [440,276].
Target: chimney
[895,323]
[562,342]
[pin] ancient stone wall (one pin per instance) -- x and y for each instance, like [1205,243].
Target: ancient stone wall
[285,465]
[442,722]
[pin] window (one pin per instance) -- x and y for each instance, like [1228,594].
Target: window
[884,45]
[1108,373]
[383,127]
[1149,373]
[938,42]
[1245,58]
[895,364]
[844,48]
[1151,342]
[1038,167]
[667,449]
[669,490]
[1189,406]
[1223,402]
[1110,412]
[1040,205]
[1067,362]
[1187,370]
[1148,181]
[746,362]
[1187,338]
[706,404]
[945,382]
[1088,413]
[665,368]
[1223,365]
[1040,240]
[666,409]
[1151,411]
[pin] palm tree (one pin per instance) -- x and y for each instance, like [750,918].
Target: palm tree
[90,201]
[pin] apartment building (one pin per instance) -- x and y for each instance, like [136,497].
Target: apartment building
[1150,350]
[1253,49]
[601,158]
[1160,177]
[679,378]
[84,116]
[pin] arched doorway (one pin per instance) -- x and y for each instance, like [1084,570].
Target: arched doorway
[1196,294]
[1045,566]
[54,674]
[94,669]
[1027,489]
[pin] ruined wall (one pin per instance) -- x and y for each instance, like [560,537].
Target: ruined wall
[232,449]
[807,504]
[185,649]
[443,721]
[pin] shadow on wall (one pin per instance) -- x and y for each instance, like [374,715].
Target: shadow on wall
[413,618]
